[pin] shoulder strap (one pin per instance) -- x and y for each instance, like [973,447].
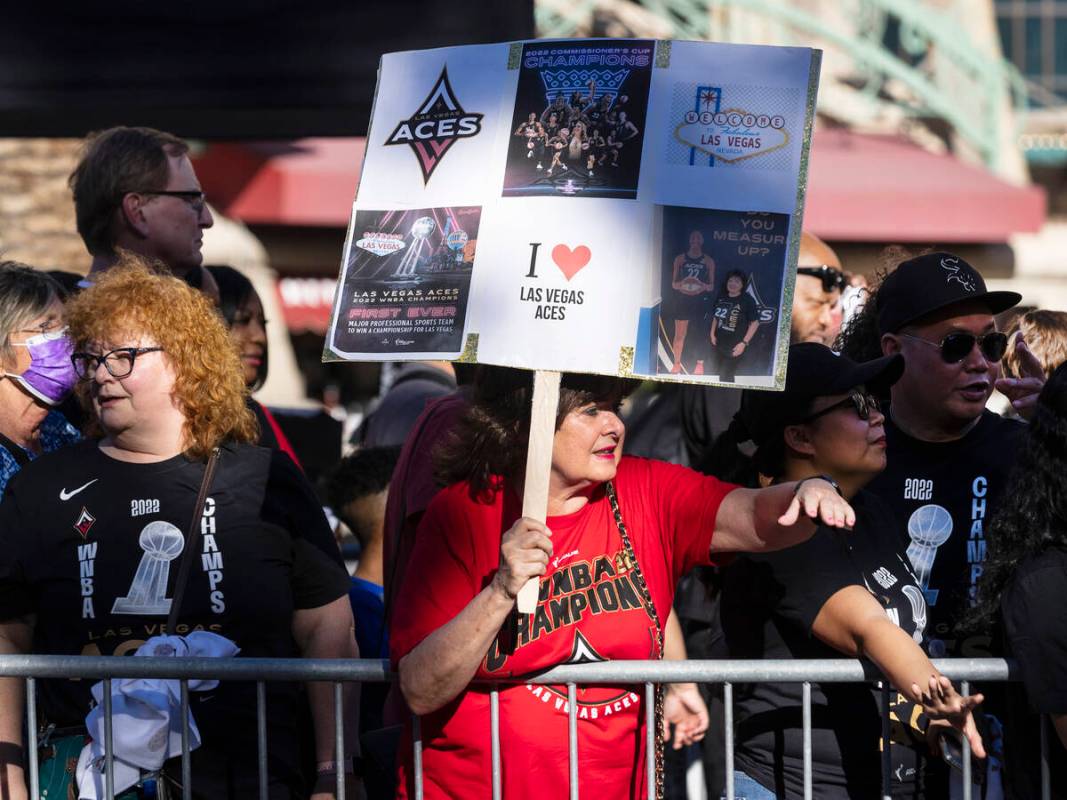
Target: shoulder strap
[21,457]
[192,539]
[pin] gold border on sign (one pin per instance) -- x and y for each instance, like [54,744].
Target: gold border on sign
[515,55]
[785,320]
[626,362]
[470,350]
[663,53]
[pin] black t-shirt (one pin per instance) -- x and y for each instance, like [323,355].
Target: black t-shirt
[943,495]
[91,545]
[733,315]
[768,606]
[1034,624]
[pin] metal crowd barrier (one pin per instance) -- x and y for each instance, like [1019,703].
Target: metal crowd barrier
[649,673]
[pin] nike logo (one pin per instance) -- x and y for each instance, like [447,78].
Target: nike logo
[65,495]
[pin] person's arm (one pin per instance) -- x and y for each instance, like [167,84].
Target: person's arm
[779,516]
[441,666]
[16,636]
[683,705]
[746,340]
[678,261]
[853,622]
[328,632]
[1059,721]
[714,325]
[709,262]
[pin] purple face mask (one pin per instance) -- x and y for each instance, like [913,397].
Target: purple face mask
[50,376]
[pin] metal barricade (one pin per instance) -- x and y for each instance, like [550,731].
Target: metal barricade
[338,672]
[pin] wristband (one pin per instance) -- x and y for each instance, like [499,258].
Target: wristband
[827,478]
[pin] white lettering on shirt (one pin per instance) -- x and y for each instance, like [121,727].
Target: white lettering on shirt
[976,547]
[86,554]
[138,508]
[211,557]
[918,488]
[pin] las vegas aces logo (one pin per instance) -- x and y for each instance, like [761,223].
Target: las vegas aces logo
[436,126]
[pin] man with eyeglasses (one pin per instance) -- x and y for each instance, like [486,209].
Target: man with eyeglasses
[135,189]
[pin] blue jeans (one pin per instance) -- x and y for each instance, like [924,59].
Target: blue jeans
[745,788]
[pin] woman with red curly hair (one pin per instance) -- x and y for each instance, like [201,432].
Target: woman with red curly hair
[91,537]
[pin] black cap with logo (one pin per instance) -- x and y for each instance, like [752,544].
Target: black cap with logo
[930,283]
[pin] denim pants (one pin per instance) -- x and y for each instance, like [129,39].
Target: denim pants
[745,788]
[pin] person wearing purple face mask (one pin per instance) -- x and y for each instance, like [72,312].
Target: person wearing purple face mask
[35,366]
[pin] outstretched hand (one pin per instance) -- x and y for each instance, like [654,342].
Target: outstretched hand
[1023,391]
[946,707]
[820,501]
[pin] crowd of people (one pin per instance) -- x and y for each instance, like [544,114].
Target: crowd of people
[876,508]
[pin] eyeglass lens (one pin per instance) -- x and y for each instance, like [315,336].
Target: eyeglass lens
[119,363]
[957,346]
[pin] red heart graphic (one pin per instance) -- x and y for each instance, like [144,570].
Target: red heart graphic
[570,262]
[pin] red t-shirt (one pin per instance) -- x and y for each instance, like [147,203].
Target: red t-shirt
[590,609]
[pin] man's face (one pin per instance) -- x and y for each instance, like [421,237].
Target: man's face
[175,225]
[945,395]
[812,318]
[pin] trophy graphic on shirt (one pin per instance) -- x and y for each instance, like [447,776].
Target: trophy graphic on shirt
[162,543]
[929,527]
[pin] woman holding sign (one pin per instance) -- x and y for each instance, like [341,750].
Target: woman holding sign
[620,533]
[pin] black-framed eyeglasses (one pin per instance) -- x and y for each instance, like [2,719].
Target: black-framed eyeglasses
[195,199]
[958,345]
[119,362]
[863,402]
[831,277]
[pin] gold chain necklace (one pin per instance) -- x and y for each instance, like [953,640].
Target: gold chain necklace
[650,609]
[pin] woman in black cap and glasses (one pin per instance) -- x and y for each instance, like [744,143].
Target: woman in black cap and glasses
[851,594]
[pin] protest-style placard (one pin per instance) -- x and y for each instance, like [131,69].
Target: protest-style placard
[624,207]
[621,207]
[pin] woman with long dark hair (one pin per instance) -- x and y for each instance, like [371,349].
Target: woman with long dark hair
[242,309]
[1021,591]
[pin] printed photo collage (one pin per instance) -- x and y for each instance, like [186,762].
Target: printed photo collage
[621,207]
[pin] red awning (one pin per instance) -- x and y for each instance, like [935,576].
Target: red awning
[886,189]
[861,188]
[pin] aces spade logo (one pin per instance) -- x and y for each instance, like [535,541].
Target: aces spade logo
[439,121]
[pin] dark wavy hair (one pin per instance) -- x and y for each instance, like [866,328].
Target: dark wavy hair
[1033,512]
[489,442]
[235,290]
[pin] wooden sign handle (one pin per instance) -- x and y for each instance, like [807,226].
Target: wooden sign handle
[539,465]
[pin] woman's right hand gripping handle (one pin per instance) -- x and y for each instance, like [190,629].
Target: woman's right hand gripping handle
[525,550]
[442,665]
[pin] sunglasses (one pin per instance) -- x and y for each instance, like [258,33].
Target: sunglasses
[831,277]
[957,346]
[862,402]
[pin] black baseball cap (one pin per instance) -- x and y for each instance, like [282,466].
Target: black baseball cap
[922,285]
[814,371]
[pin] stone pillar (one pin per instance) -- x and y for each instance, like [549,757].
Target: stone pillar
[36,210]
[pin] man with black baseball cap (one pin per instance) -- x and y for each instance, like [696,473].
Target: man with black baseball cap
[948,457]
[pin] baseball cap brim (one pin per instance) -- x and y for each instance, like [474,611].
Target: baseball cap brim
[996,302]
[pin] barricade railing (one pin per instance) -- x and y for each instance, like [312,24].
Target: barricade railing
[649,673]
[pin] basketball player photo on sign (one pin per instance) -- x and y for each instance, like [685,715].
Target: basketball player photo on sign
[579,119]
[721,282]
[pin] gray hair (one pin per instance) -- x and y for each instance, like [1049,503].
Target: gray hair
[25,294]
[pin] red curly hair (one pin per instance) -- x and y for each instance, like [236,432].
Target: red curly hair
[134,299]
